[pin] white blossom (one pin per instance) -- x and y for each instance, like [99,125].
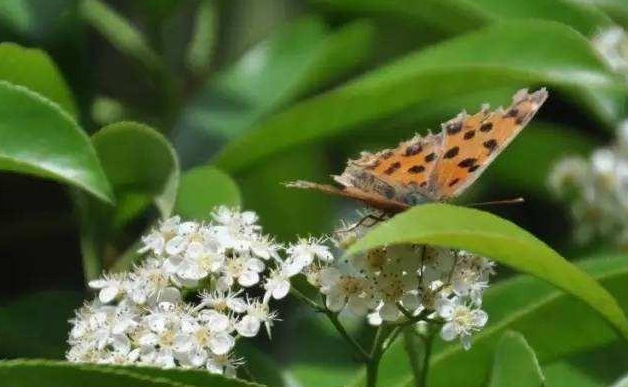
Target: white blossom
[110,286]
[461,320]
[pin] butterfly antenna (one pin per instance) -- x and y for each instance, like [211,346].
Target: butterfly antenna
[498,202]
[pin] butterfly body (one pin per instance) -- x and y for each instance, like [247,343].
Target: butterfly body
[435,167]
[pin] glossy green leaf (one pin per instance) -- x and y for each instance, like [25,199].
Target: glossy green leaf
[35,70]
[38,138]
[563,59]
[203,188]
[298,57]
[499,239]
[38,373]
[456,16]
[515,363]
[616,9]
[563,374]
[143,169]
[37,325]
[555,324]
[139,160]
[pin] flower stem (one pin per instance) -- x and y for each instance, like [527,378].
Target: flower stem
[362,354]
[333,318]
[427,352]
[410,345]
[372,366]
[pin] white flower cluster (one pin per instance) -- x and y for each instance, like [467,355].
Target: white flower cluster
[388,284]
[597,190]
[155,315]
[612,44]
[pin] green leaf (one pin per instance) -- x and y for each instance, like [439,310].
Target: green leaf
[202,44]
[35,70]
[499,239]
[563,374]
[261,187]
[515,363]
[143,168]
[37,325]
[41,22]
[121,33]
[456,16]
[526,162]
[563,59]
[38,373]
[554,323]
[40,139]
[203,188]
[139,160]
[616,9]
[298,57]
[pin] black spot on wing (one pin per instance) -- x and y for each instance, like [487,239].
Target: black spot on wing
[392,168]
[451,153]
[453,127]
[413,149]
[416,169]
[486,127]
[467,163]
[490,145]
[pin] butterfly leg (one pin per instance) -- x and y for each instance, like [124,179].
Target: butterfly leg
[374,218]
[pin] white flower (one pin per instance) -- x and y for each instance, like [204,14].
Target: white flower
[243,269]
[110,286]
[223,301]
[264,248]
[305,251]
[346,290]
[157,341]
[200,259]
[195,338]
[235,230]
[470,276]
[438,262]
[612,44]
[461,321]
[150,284]
[277,282]
[223,365]
[157,239]
[258,313]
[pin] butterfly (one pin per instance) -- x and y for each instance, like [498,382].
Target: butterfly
[435,167]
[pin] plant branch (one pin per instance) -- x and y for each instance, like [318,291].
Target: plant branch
[410,346]
[333,318]
[427,340]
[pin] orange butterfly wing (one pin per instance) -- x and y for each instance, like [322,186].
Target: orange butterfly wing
[400,174]
[471,143]
[437,166]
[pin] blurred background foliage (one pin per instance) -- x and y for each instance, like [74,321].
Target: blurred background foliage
[236,96]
